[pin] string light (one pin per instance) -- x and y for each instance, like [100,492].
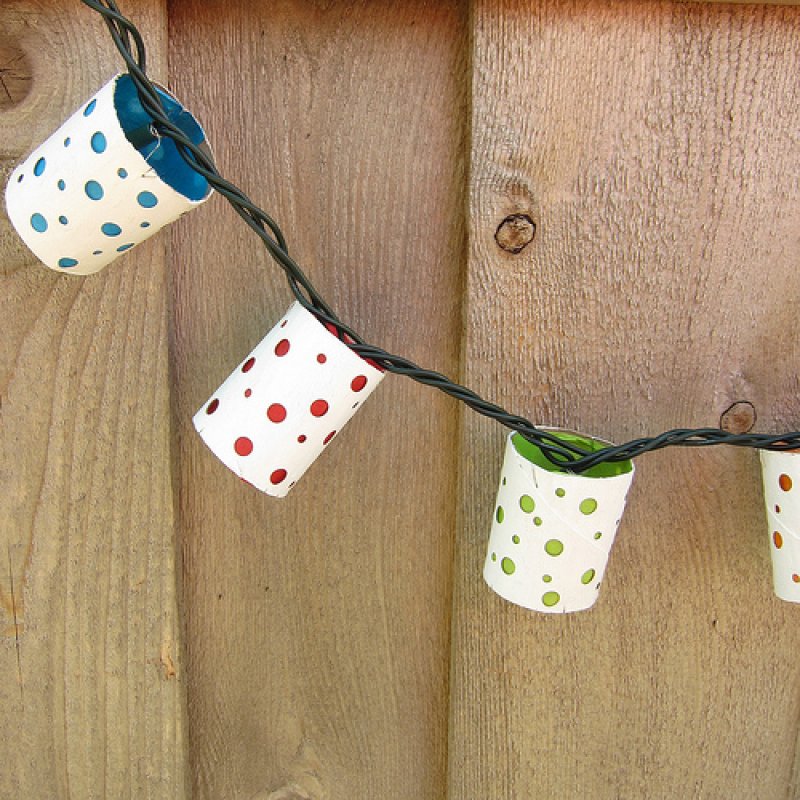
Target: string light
[567,455]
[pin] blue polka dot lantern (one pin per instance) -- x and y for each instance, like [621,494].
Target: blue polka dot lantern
[103,182]
[552,531]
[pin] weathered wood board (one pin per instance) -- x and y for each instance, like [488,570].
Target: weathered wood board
[318,625]
[655,147]
[92,699]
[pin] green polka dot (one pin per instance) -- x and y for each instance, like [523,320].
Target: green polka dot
[550,598]
[547,578]
[515,539]
[560,493]
[505,481]
[494,556]
[553,547]
[500,515]
[588,506]
[598,535]
[537,520]
[587,576]
[508,566]
[526,503]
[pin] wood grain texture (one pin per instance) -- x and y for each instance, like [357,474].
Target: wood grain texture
[318,625]
[655,147]
[92,702]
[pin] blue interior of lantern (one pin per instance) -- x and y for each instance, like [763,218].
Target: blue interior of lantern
[161,154]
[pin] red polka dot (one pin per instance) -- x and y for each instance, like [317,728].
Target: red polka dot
[322,358]
[358,383]
[319,408]
[283,324]
[276,413]
[785,482]
[778,539]
[277,477]
[777,509]
[282,348]
[301,438]
[243,446]
[248,392]
[212,406]
[248,365]
[796,577]
[329,437]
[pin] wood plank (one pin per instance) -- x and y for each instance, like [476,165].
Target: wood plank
[92,699]
[318,625]
[655,147]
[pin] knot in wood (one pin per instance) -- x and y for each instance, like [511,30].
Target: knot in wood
[515,233]
[740,417]
[16,74]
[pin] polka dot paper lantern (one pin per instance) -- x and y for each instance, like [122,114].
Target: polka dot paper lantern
[781,475]
[103,182]
[285,403]
[552,531]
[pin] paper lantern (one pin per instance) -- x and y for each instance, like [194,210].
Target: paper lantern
[285,402]
[781,475]
[552,531]
[103,182]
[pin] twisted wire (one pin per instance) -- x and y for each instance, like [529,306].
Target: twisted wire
[567,455]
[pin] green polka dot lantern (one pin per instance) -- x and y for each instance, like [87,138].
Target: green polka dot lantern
[552,531]
[781,475]
[103,182]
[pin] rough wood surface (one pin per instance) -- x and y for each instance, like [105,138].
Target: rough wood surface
[655,147]
[318,625]
[91,671]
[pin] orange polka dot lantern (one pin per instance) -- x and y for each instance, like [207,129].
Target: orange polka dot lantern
[285,403]
[552,531]
[103,182]
[781,475]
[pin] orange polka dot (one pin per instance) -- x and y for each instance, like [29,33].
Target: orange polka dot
[796,578]
[778,539]
[785,482]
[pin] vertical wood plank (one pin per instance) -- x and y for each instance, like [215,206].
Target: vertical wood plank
[92,700]
[318,625]
[655,147]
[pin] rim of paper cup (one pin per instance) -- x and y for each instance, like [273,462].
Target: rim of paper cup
[533,454]
[202,145]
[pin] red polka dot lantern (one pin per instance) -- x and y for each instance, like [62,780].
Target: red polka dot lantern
[285,403]
[103,182]
[781,476]
[552,531]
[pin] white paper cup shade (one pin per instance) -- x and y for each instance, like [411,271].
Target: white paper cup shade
[781,475]
[285,403]
[552,531]
[103,182]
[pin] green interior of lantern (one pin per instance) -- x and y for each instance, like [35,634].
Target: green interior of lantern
[607,469]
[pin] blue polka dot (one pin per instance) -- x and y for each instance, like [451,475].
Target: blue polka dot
[94,190]
[88,110]
[63,220]
[122,172]
[97,253]
[62,186]
[67,262]
[21,177]
[98,142]
[39,168]
[124,247]
[67,142]
[145,225]
[110,229]
[38,223]
[147,200]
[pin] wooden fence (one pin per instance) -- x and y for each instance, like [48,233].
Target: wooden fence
[169,632]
